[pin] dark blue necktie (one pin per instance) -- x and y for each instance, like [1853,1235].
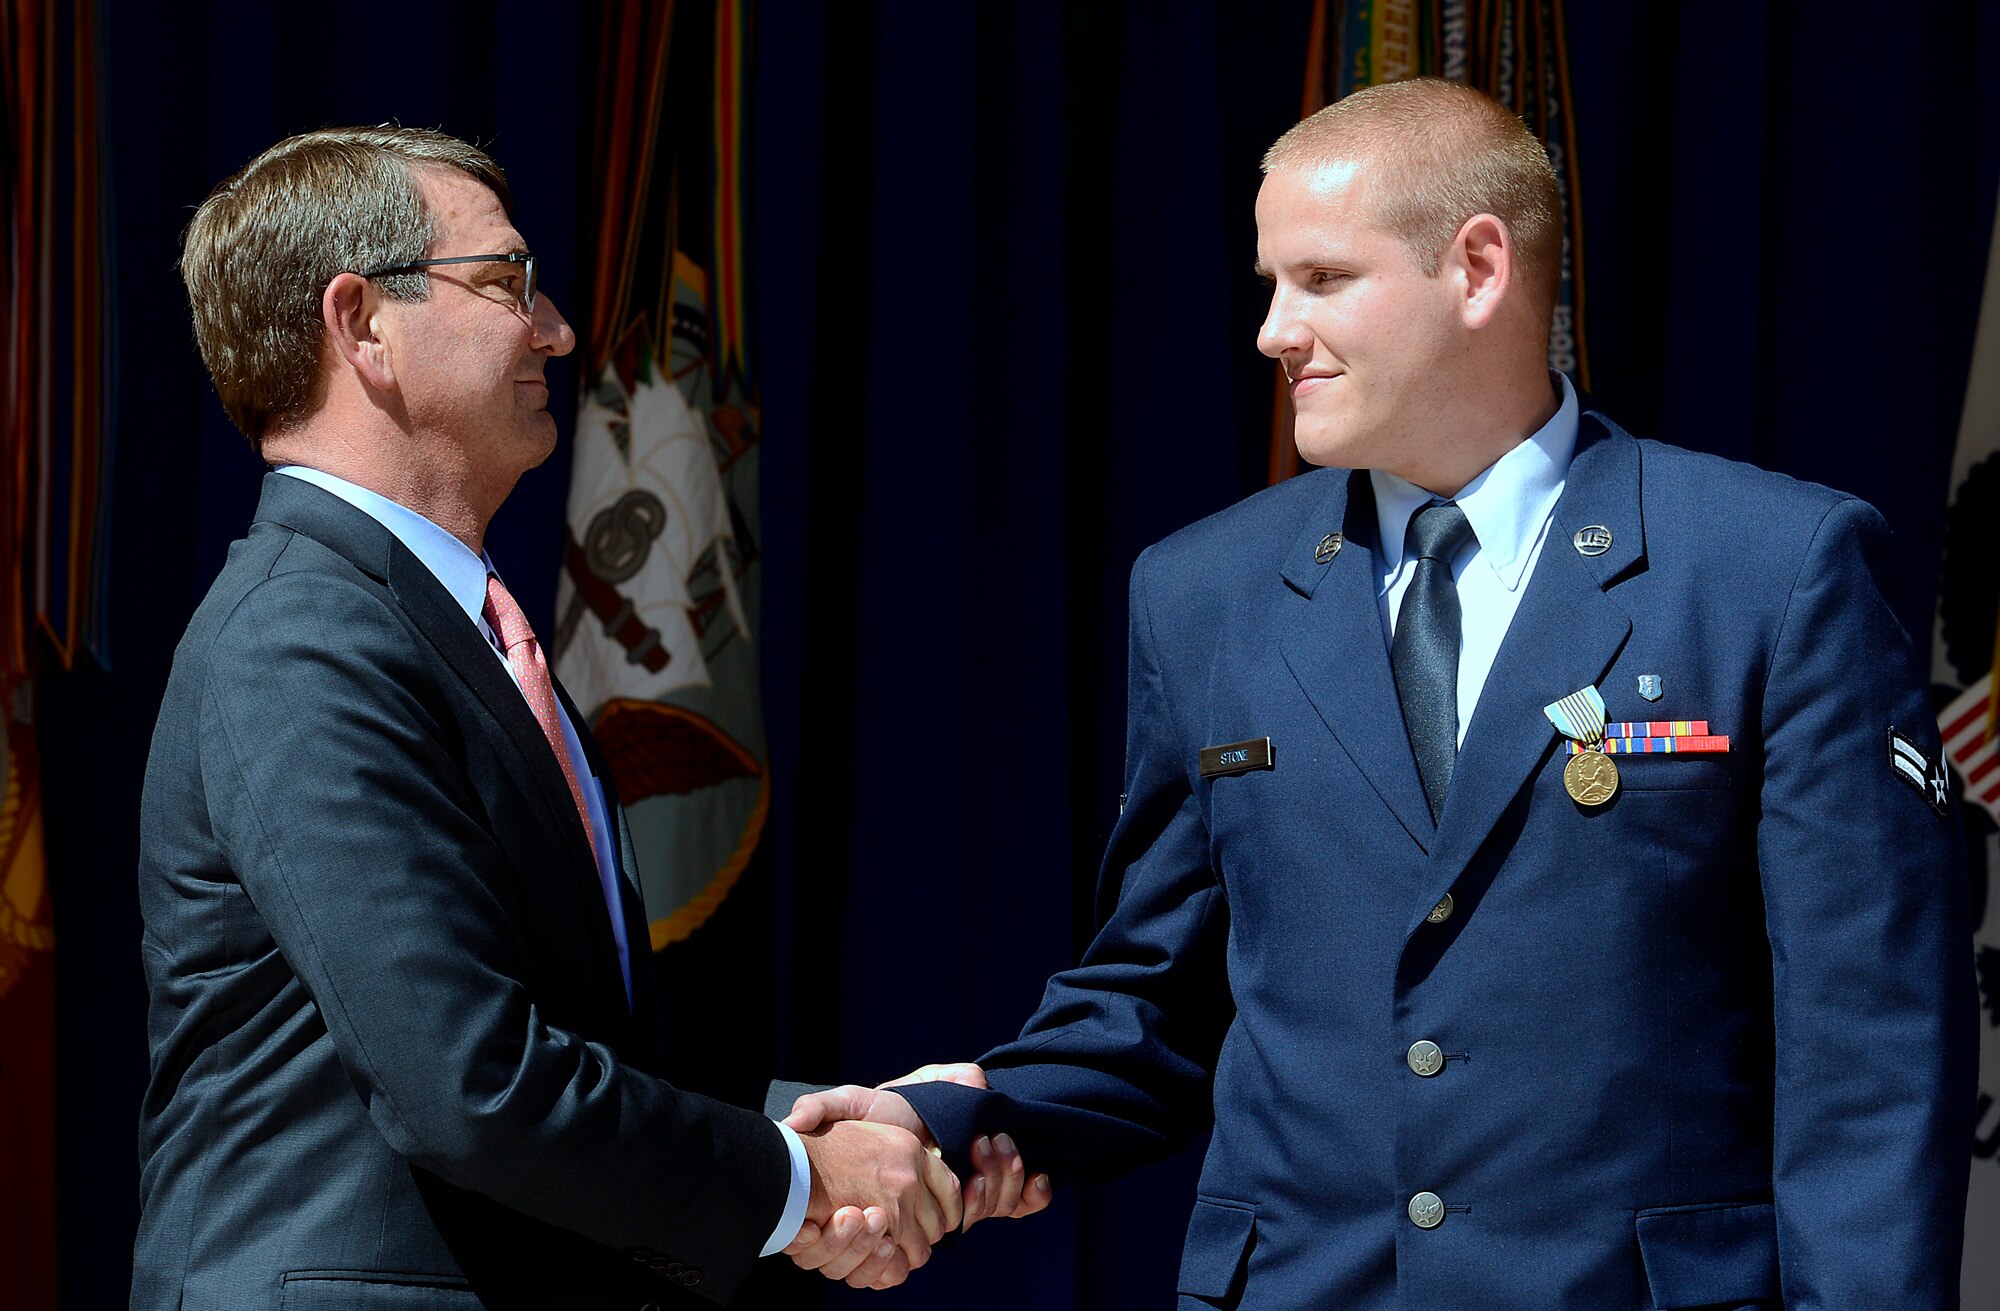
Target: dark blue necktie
[1424,655]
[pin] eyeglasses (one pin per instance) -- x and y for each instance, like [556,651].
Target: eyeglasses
[526,261]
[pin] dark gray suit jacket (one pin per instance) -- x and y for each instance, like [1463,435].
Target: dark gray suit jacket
[393,1064]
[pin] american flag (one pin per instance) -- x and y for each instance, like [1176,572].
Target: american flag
[1973,746]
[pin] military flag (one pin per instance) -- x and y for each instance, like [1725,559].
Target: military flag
[657,603]
[1516,51]
[1965,673]
[54,402]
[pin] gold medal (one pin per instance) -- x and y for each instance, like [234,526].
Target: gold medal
[1591,778]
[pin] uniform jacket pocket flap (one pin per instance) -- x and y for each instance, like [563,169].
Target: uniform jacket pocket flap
[1672,771]
[1218,1236]
[1704,1255]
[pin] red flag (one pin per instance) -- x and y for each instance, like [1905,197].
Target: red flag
[27,1026]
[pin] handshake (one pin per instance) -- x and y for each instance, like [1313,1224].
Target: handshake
[881,1195]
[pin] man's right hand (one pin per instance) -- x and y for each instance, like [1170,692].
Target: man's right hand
[883,1167]
[999,1189]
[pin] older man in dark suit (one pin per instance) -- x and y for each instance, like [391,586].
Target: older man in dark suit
[405,1049]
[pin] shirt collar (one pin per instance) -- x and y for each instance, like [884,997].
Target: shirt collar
[1508,504]
[450,561]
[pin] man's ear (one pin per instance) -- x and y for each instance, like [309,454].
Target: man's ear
[1483,253]
[347,311]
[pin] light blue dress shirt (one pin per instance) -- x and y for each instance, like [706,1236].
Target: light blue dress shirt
[1509,506]
[463,574]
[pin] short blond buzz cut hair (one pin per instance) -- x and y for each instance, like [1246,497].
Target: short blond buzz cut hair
[1444,152]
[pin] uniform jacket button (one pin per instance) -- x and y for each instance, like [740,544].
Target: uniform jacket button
[1425,1057]
[1426,1210]
[1440,912]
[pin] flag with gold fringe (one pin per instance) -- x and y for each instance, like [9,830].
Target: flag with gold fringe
[55,393]
[1516,51]
[657,601]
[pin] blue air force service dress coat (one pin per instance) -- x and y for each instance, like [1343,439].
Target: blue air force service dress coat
[1708,1043]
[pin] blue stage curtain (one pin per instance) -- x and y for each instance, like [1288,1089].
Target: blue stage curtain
[1004,319]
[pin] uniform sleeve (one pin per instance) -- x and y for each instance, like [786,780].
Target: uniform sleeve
[333,785]
[1866,908]
[1114,1068]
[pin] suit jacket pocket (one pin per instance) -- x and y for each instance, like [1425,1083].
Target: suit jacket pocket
[373,1290]
[1218,1239]
[1724,1254]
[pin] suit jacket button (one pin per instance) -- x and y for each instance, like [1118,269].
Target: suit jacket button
[1440,912]
[691,1277]
[1424,1057]
[671,1269]
[1426,1210]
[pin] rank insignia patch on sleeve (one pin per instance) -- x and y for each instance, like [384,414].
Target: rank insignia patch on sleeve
[1911,765]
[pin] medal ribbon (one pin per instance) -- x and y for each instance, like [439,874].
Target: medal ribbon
[1578,716]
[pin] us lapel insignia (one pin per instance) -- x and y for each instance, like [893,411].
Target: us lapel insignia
[1236,757]
[1329,546]
[1594,540]
[1649,686]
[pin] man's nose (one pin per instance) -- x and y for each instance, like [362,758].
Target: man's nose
[552,331]
[1281,330]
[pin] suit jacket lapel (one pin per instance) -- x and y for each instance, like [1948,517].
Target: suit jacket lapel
[1564,636]
[632,907]
[1336,651]
[441,620]
[638,929]
[628,861]
[340,527]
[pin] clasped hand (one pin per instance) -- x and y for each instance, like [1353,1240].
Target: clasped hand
[880,1194]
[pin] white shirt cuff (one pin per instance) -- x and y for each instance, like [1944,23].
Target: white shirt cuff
[794,1217]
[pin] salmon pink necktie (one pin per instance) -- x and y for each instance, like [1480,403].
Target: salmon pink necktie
[524,657]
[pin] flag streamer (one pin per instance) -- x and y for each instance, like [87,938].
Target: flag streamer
[657,600]
[56,405]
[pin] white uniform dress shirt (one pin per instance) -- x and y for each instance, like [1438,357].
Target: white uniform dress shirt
[463,574]
[1509,507]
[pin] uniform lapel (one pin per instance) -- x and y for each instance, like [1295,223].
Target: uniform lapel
[1564,636]
[1336,651]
